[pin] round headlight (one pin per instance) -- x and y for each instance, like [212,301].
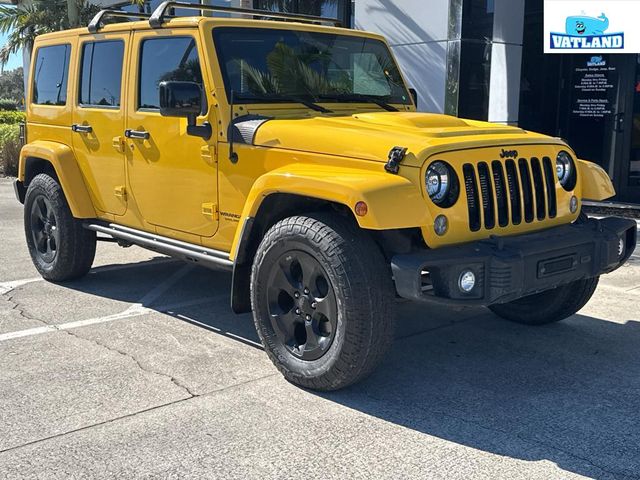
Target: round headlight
[442,184]
[565,169]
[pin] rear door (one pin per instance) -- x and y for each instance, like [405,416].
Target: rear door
[99,118]
[173,176]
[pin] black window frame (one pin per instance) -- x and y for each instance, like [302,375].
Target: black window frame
[81,69]
[139,72]
[65,73]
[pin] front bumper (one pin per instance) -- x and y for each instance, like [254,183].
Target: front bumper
[508,268]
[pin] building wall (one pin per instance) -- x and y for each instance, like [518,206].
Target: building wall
[462,56]
[418,33]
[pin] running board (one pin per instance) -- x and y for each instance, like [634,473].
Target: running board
[186,251]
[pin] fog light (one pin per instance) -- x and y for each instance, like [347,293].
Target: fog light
[467,281]
[573,204]
[620,247]
[441,225]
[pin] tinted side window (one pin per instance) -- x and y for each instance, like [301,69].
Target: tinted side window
[163,59]
[101,74]
[50,75]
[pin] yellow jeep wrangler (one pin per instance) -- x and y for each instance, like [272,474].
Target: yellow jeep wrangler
[289,151]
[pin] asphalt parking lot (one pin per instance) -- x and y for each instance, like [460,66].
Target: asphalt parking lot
[140,370]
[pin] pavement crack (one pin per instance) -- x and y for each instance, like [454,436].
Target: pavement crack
[141,366]
[133,414]
[17,307]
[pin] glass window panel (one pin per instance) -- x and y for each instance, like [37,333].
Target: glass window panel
[163,59]
[50,75]
[475,71]
[101,76]
[276,63]
[477,19]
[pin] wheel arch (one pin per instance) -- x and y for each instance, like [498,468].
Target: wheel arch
[272,209]
[278,206]
[58,160]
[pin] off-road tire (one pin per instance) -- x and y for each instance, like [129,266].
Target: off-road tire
[550,306]
[364,292]
[75,247]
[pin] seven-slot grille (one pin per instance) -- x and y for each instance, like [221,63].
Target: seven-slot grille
[509,192]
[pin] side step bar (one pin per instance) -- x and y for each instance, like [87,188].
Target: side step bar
[186,251]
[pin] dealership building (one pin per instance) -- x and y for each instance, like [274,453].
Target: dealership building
[483,59]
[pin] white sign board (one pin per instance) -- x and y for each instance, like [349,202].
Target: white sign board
[591,26]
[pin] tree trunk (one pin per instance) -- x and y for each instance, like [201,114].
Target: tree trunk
[72,8]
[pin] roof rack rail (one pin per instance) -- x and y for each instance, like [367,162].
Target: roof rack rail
[158,16]
[98,21]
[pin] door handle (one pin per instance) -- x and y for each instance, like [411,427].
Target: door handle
[81,128]
[137,134]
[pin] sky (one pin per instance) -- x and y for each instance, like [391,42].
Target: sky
[16,60]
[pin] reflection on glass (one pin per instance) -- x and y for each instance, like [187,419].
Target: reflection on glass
[634,163]
[266,65]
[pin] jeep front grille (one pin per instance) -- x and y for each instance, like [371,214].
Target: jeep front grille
[509,192]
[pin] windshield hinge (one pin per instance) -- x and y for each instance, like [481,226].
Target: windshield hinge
[396,155]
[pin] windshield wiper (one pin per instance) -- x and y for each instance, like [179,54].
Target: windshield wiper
[285,98]
[351,97]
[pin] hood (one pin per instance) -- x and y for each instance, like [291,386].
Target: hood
[370,136]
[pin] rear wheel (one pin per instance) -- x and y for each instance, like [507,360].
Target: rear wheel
[61,249]
[550,306]
[322,299]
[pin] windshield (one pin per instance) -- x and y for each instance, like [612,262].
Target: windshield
[263,65]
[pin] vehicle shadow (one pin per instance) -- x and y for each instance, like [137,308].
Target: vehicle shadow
[567,393]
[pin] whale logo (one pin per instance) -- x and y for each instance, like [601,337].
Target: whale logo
[585,32]
[583,25]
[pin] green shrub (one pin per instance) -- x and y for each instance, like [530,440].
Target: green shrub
[8,104]
[9,149]
[11,118]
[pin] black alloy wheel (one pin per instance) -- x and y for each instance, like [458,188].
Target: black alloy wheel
[302,305]
[44,229]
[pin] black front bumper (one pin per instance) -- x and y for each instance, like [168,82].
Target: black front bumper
[508,268]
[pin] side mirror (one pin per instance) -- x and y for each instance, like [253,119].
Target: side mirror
[414,95]
[185,99]
[180,99]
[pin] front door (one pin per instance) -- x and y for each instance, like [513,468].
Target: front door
[99,119]
[628,173]
[173,176]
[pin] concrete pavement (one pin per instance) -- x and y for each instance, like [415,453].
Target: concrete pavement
[140,370]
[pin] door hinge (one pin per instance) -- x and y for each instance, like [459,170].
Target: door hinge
[208,154]
[210,210]
[121,192]
[118,144]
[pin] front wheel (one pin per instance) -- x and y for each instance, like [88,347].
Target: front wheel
[322,298]
[550,306]
[61,249]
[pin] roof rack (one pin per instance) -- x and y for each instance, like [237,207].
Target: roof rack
[158,16]
[98,21]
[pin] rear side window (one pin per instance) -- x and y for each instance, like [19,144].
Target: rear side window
[164,59]
[50,75]
[101,73]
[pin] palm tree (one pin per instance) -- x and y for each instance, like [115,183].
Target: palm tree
[25,22]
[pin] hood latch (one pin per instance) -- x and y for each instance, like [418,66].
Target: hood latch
[396,155]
